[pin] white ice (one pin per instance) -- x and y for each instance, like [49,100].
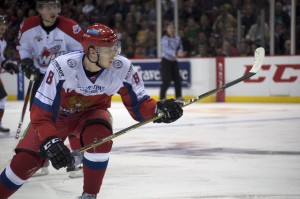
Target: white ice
[215,151]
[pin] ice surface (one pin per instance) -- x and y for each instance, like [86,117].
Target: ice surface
[216,150]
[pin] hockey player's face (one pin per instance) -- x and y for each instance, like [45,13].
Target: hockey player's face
[107,54]
[49,13]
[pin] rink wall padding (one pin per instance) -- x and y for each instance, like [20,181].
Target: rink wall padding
[278,80]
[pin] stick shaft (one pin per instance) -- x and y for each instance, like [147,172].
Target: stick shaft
[28,92]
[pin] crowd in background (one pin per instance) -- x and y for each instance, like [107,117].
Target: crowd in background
[207,27]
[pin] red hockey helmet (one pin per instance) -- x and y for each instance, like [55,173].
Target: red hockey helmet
[99,35]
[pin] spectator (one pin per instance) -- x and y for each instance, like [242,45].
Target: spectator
[287,47]
[280,37]
[204,25]
[258,32]
[248,18]
[243,49]
[281,16]
[191,33]
[202,51]
[227,49]
[88,7]
[225,17]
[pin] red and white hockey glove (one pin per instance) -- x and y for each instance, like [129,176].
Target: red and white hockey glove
[55,150]
[172,110]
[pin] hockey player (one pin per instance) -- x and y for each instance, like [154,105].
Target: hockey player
[43,38]
[74,98]
[7,65]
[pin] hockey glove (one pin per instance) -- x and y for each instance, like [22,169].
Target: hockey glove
[28,67]
[55,150]
[170,108]
[10,67]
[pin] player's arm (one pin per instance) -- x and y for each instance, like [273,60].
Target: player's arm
[141,106]
[46,103]
[25,47]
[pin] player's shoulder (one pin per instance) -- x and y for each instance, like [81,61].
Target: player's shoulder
[29,23]
[120,64]
[68,25]
[67,63]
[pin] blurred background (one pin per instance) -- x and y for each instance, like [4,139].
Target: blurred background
[208,29]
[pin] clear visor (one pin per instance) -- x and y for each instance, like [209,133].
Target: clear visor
[108,51]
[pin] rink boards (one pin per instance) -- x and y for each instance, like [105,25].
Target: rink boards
[278,80]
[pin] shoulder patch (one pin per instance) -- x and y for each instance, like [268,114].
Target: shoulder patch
[117,64]
[72,63]
[76,29]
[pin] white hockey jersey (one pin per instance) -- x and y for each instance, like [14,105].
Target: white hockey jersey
[3,45]
[41,46]
[66,90]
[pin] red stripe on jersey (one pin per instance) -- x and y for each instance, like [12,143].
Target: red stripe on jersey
[69,27]
[30,22]
[27,24]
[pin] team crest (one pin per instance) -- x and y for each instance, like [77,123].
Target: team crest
[38,38]
[47,55]
[117,64]
[76,29]
[72,63]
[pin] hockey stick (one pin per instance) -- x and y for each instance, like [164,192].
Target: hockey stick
[258,60]
[31,80]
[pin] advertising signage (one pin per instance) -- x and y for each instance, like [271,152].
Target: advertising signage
[150,72]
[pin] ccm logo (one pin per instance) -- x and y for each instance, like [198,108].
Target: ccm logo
[278,76]
[49,144]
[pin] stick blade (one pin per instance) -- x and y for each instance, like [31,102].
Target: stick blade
[259,56]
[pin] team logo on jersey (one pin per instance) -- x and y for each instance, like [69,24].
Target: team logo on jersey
[76,29]
[38,38]
[117,64]
[72,63]
[47,55]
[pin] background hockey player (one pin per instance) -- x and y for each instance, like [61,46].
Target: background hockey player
[43,38]
[74,98]
[7,65]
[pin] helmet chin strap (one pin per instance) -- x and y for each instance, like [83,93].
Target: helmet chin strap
[96,62]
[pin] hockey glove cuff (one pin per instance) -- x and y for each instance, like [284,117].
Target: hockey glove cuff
[55,150]
[172,110]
